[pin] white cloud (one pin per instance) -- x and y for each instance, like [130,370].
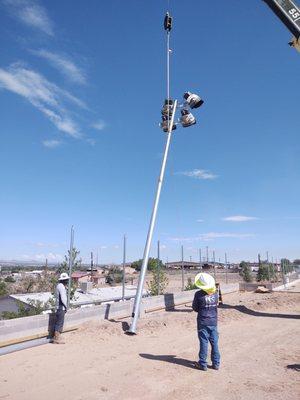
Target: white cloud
[212,236]
[43,244]
[64,65]
[222,235]
[31,14]
[200,220]
[184,239]
[51,144]
[90,141]
[99,126]
[198,174]
[47,97]
[239,218]
[52,257]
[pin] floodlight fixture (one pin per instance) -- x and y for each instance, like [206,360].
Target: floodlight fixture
[166,122]
[193,100]
[168,22]
[168,108]
[187,119]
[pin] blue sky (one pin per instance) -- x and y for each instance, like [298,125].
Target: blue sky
[81,88]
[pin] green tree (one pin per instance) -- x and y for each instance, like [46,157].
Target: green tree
[9,279]
[34,307]
[152,264]
[64,266]
[266,272]
[159,281]
[3,289]
[245,272]
[190,285]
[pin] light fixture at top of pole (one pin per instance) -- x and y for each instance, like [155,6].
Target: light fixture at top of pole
[190,100]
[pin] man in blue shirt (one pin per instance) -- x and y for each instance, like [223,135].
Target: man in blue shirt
[205,304]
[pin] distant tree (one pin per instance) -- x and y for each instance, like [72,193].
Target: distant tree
[245,272]
[9,279]
[3,289]
[46,283]
[266,272]
[34,307]
[287,266]
[159,281]
[190,285]
[296,262]
[27,285]
[152,264]
[64,266]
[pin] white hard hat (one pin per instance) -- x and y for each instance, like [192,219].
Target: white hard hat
[63,276]
[205,282]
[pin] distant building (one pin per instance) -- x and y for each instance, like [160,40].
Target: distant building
[79,276]
[186,265]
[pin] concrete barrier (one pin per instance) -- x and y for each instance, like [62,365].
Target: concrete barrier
[22,329]
[286,286]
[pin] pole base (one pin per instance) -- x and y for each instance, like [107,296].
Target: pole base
[130,333]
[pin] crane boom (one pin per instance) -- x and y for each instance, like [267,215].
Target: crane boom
[288,12]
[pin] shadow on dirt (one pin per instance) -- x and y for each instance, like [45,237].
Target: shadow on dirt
[246,310]
[170,359]
[295,367]
[125,325]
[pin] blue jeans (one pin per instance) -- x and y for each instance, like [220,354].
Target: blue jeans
[208,334]
[59,321]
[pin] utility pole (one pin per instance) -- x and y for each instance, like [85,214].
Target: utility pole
[124,262]
[182,270]
[92,265]
[71,260]
[226,277]
[200,259]
[214,260]
[207,254]
[158,267]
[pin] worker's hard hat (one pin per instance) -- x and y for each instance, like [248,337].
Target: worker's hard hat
[205,282]
[63,276]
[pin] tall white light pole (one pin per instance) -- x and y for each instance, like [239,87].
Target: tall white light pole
[137,302]
[191,100]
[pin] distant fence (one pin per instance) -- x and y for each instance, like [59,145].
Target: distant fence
[28,328]
[251,286]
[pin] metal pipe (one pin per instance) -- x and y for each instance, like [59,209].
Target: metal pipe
[124,261]
[158,267]
[71,256]
[200,259]
[22,346]
[214,261]
[137,303]
[226,277]
[182,270]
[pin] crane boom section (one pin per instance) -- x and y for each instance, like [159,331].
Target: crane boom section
[288,12]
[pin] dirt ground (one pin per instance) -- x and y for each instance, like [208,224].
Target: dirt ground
[259,344]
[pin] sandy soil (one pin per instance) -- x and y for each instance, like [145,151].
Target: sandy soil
[259,343]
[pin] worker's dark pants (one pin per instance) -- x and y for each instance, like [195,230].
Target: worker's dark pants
[59,321]
[208,334]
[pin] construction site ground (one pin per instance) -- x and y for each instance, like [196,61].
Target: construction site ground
[259,344]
